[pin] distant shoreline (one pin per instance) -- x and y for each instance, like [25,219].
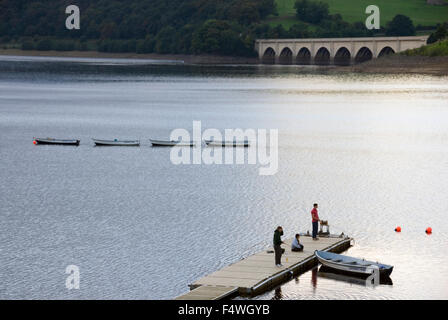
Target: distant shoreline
[188,59]
[395,64]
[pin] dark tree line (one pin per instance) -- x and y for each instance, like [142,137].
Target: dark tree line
[123,19]
[175,26]
[227,27]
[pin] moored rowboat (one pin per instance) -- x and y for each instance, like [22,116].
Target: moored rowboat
[350,264]
[67,142]
[234,143]
[171,143]
[116,142]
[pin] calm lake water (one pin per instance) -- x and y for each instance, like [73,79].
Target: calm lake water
[370,149]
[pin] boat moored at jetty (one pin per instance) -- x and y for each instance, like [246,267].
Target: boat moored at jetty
[351,265]
[116,142]
[66,142]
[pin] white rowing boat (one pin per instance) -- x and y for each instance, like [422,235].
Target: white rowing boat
[222,143]
[350,264]
[116,142]
[67,142]
[171,143]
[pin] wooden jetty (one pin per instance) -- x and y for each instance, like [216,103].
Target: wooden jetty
[258,273]
[210,293]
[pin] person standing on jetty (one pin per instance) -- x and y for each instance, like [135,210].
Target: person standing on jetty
[315,220]
[277,248]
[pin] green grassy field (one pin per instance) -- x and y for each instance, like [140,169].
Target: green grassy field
[354,10]
[431,50]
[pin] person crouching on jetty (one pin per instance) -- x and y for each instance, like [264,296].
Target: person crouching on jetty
[296,246]
[315,220]
[277,246]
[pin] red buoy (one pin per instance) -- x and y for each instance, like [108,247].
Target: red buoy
[429,230]
[398,229]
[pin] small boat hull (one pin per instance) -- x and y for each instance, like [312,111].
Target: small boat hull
[351,265]
[65,142]
[171,143]
[116,143]
[339,275]
[227,143]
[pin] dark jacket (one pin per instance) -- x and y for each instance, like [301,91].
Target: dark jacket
[277,240]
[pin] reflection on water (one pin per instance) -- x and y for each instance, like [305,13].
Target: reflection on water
[341,277]
[324,283]
[371,149]
[277,294]
[314,278]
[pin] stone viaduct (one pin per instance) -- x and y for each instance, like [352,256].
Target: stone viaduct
[338,51]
